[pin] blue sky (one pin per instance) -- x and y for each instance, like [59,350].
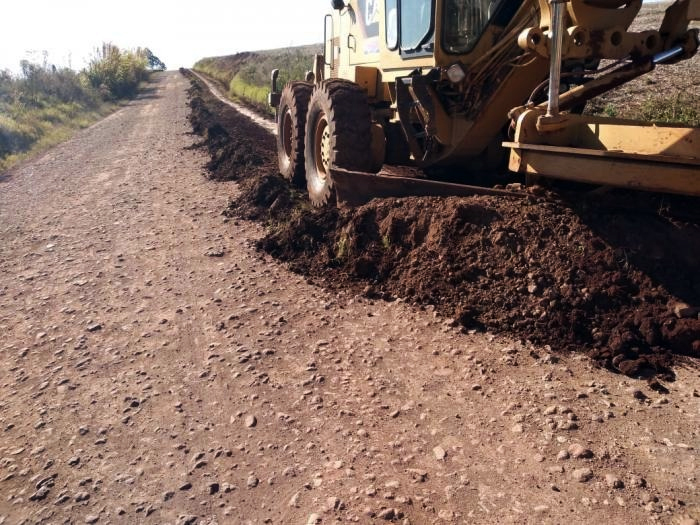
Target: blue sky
[177,32]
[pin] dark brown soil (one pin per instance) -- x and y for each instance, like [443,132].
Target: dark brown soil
[236,150]
[595,273]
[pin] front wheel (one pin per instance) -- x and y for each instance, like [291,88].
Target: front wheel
[337,133]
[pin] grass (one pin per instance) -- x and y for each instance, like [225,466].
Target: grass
[35,131]
[255,95]
[246,76]
[676,109]
[44,105]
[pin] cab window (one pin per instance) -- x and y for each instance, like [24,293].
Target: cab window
[416,23]
[409,24]
[465,21]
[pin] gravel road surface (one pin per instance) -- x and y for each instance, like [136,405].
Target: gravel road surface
[156,368]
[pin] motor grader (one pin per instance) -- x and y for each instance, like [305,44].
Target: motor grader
[475,84]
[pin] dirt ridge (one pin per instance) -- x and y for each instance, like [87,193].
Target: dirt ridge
[601,273]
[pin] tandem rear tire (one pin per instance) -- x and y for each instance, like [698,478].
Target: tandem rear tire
[291,123]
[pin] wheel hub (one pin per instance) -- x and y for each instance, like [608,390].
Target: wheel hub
[323,146]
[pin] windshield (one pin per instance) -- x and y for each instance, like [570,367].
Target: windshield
[465,21]
[416,23]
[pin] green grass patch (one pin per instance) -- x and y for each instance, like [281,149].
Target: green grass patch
[32,131]
[254,95]
[674,110]
[246,76]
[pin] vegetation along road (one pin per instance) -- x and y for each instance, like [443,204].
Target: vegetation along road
[156,368]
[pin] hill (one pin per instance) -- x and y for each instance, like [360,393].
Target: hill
[246,75]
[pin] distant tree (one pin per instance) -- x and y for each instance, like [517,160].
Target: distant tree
[154,63]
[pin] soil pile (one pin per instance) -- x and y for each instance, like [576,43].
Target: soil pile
[237,151]
[611,275]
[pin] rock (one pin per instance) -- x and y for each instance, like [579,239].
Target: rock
[637,481]
[252,482]
[213,488]
[333,503]
[569,424]
[541,509]
[251,421]
[563,454]
[294,500]
[91,519]
[313,519]
[184,519]
[168,495]
[94,327]
[613,481]
[578,451]
[74,461]
[40,494]
[387,514]
[684,310]
[638,394]
[186,486]
[582,475]
[439,453]
[81,496]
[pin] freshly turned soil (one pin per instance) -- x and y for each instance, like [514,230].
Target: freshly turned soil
[579,272]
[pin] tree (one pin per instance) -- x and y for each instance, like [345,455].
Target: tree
[154,63]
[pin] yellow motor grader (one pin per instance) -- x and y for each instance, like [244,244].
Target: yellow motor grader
[473,84]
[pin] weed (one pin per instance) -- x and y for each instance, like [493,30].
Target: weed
[610,110]
[675,110]
[386,242]
[341,247]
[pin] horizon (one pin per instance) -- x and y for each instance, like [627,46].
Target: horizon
[69,33]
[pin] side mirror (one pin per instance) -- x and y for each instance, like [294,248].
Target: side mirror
[337,4]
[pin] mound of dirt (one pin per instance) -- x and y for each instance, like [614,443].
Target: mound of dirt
[533,267]
[237,150]
[611,275]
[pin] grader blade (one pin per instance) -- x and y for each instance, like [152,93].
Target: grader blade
[609,152]
[354,188]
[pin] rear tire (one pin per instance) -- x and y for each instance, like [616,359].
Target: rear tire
[291,121]
[337,135]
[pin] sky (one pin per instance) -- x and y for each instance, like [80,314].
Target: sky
[179,33]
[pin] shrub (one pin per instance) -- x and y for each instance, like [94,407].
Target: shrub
[115,73]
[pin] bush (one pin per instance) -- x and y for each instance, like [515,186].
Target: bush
[115,73]
[43,104]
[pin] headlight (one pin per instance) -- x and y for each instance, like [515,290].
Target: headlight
[456,73]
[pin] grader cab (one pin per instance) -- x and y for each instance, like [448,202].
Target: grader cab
[477,84]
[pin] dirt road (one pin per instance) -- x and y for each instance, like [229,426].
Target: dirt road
[155,368]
